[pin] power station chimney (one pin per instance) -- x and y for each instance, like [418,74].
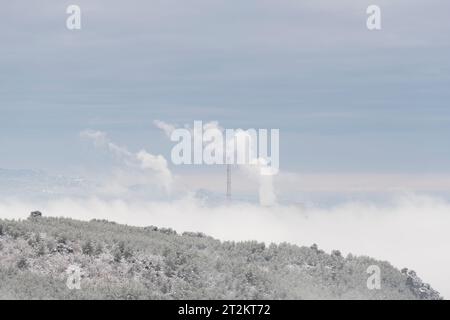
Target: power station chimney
[228,182]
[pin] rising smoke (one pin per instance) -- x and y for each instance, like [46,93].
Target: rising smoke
[155,167]
[253,168]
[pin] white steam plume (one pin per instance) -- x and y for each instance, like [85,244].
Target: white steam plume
[143,160]
[165,127]
[267,194]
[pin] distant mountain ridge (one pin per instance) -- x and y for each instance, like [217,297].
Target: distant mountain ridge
[36,183]
[124,262]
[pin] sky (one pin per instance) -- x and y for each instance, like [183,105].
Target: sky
[358,111]
[346,99]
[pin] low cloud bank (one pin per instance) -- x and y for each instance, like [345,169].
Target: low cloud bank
[412,232]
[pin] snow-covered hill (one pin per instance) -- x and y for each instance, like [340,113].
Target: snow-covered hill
[114,261]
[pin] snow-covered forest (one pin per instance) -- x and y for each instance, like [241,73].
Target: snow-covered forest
[124,262]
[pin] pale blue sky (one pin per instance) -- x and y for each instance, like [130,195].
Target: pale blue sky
[345,99]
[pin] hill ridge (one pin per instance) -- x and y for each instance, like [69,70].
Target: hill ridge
[125,262]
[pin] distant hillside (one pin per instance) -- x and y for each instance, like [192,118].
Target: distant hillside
[124,262]
[39,184]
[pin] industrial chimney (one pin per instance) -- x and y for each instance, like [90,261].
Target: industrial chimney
[228,182]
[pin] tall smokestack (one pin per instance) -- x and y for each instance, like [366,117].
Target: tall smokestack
[228,182]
